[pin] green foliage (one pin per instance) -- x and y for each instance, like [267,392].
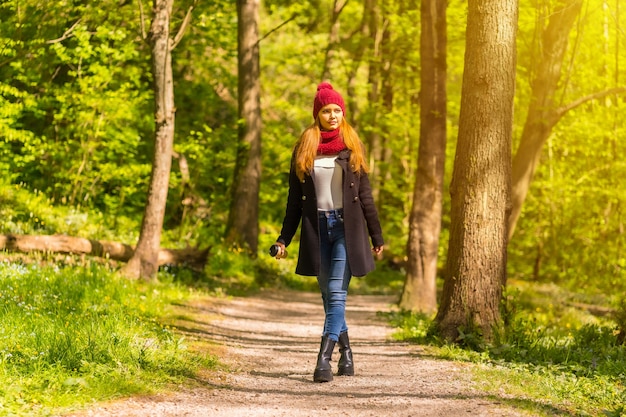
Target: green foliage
[385,279]
[232,272]
[619,316]
[411,327]
[205,68]
[76,120]
[571,228]
[72,335]
[552,244]
[88,97]
[26,212]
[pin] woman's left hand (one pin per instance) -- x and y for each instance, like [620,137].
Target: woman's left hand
[378,250]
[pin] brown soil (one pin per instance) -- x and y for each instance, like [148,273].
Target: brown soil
[270,341]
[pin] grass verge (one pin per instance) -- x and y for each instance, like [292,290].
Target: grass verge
[74,335]
[549,359]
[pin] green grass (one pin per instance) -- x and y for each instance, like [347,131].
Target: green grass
[549,358]
[70,336]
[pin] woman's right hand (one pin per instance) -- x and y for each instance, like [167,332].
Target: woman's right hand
[281,250]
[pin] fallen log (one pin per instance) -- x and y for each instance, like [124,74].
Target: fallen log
[192,257]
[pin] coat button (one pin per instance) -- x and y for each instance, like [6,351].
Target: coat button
[304,197]
[356,199]
[351,184]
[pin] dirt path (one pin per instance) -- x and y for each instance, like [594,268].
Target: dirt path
[270,343]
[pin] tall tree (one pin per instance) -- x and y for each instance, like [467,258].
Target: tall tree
[543,109]
[144,262]
[420,288]
[481,179]
[242,230]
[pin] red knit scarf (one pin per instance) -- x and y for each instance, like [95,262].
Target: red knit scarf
[331,142]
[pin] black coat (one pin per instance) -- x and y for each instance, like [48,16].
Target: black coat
[360,220]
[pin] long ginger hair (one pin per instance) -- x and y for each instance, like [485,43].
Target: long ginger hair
[306,149]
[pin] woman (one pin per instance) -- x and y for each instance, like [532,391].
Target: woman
[329,191]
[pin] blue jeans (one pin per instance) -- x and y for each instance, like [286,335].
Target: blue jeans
[335,275]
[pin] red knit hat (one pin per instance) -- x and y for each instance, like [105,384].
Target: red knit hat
[326,95]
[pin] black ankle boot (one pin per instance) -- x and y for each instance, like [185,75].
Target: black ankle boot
[323,371]
[346,364]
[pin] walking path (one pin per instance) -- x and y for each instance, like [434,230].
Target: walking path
[270,341]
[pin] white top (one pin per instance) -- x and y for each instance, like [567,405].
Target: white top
[328,182]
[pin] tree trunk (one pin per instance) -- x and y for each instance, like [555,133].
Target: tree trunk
[386,198]
[364,44]
[542,110]
[481,180]
[374,139]
[191,257]
[420,289]
[242,229]
[144,262]
[333,40]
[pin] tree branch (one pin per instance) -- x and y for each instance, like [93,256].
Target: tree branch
[560,112]
[67,34]
[343,6]
[183,27]
[143,20]
[293,16]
